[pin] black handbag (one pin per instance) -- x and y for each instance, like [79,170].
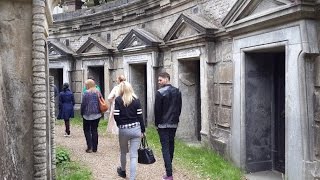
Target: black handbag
[145,154]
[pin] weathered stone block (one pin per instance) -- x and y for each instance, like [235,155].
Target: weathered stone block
[219,140]
[39,107]
[39,88]
[38,81]
[316,104]
[214,117]
[317,140]
[78,87]
[317,72]
[77,75]
[216,94]
[39,114]
[226,72]
[219,51]
[227,51]
[40,95]
[40,100]
[39,74]
[119,63]
[216,73]
[224,117]
[77,98]
[226,95]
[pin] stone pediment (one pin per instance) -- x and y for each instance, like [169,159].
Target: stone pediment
[246,10]
[188,26]
[95,45]
[139,38]
[57,48]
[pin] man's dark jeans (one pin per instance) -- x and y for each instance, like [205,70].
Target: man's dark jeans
[90,128]
[167,142]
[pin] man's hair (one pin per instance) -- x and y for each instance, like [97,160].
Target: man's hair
[164,75]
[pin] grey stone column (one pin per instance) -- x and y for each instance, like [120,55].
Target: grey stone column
[39,90]
[52,127]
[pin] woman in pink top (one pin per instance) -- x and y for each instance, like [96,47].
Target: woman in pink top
[112,126]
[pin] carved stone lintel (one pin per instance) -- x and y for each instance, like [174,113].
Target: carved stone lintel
[190,53]
[76,27]
[96,23]
[117,19]
[140,12]
[165,4]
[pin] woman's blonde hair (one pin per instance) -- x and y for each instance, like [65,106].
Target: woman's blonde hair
[90,84]
[121,78]
[127,93]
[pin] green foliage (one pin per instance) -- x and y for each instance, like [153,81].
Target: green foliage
[62,155]
[73,171]
[203,161]
[68,170]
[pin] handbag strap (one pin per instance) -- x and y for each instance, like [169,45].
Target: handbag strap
[144,143]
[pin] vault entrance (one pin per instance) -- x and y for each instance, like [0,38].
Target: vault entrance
[58,77]
[97,72]
[189,85]
[138,79]
[265,110]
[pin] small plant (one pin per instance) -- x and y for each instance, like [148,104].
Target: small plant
[62,155]
[70,170]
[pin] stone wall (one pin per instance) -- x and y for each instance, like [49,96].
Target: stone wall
[25,142]
[16,119]
[221,97]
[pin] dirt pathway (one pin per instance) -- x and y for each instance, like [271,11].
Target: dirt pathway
[103,164]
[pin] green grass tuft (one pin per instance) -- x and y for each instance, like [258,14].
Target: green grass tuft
[69,170]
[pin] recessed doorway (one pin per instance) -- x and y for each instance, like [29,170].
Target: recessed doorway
[265,110]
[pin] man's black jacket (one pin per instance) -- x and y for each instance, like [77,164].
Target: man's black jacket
[167,106]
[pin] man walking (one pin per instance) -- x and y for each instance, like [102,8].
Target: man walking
[167,110]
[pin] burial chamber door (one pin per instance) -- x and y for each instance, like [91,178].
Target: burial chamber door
[265,111]
[138,79]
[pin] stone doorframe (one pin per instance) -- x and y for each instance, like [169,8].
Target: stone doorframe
[151,61]
[299,39]
[98,63]
[190,53]
[65,66]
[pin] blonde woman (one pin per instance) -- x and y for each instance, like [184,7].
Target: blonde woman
[112,127]
[128,116]
[91,115]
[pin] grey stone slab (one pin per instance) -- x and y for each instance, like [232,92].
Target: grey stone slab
[226,95]
[225,72]
[224,117]
[265,175]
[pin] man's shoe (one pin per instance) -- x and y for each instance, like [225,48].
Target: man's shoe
[165,177]
[121,173]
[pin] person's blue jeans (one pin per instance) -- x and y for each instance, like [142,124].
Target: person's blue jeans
[167,142]
[90,128]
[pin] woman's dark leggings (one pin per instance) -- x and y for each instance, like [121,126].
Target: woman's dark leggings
[67,125]
[90,128]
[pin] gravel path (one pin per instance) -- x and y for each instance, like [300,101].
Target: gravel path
[103,163]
